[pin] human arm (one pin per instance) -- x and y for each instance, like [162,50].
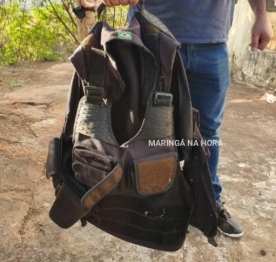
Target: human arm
[261,32]
[89,5]
[120,2]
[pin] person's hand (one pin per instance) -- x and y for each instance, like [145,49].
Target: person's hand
[261,32]
[120,2]
[96,5]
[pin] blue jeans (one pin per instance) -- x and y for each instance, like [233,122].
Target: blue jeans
[208,75]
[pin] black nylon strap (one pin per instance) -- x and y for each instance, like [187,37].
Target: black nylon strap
[97,70]
[152,42]
[100,9]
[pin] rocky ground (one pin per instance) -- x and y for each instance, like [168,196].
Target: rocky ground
[32,103]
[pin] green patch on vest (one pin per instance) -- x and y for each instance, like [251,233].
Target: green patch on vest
[125,35]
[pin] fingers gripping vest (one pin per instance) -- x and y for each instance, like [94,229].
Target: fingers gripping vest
[116,164]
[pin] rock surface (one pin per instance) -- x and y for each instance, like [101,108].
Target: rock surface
[32,104]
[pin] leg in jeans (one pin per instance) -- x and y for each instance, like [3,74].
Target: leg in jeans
[209,78]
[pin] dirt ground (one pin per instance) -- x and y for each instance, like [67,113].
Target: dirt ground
[32,103]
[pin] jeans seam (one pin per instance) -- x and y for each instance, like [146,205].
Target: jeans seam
[188,58]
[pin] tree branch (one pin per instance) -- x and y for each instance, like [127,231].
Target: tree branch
[66,7]
[59,18]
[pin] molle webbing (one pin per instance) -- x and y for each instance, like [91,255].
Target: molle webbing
[139,222]
[157,124]
[95,121]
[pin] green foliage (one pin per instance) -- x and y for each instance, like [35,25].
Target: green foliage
[115,16]
[33,33]
[33,30]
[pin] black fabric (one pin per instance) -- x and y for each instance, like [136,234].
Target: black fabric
[131,65]
[97,68]
[196,172]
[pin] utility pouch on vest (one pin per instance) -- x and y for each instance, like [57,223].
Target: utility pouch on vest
[53,163]
[67,208]
[79,11]
[154,174]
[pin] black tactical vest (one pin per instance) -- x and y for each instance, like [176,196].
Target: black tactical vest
[129,123]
